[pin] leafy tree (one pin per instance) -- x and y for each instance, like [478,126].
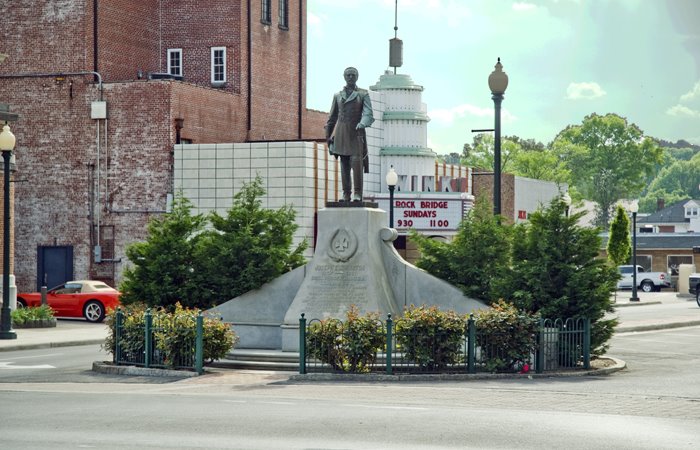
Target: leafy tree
[556,272]
[526,158]
[676,182]
[163,265]
[608,159]
[481,154]
[619,247]
[248,247]
[452,158]
[541,165]
[476,260]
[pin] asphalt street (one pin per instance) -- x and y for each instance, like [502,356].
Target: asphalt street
[57,402]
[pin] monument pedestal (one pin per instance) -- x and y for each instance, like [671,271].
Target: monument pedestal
[347,269]
[354,263]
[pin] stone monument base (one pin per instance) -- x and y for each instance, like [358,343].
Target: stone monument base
[354,263]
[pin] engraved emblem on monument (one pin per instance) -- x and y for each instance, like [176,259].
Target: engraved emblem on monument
[343,245]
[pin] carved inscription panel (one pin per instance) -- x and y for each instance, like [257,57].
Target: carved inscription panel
[333,287]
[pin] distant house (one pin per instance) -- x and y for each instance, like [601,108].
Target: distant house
[681,217]
[669,237]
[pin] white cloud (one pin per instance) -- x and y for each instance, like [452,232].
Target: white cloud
[522,6]
[584,90]
[682,111]
[693,94]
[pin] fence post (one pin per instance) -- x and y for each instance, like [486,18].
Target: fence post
[148,344]
[587,344]
[389,346]
[302,345]
[118,336]
[199,345]
[471,344]
[539,354]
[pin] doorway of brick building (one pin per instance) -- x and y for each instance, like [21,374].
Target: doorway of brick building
[54,265]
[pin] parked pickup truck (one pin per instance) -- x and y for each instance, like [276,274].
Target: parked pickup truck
[694,286]
[646,281]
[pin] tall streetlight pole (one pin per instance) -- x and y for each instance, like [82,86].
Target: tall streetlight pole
[498,82]
[7,144]
[391,179]
[634,207]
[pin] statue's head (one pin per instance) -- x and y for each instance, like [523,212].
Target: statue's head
[351,75]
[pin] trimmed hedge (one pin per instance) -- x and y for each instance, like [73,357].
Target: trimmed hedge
[173,330]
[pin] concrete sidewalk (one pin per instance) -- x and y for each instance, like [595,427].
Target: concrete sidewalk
[67,332]
[654,311]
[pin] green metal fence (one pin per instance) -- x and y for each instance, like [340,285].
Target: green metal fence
[137,344]
[555,345]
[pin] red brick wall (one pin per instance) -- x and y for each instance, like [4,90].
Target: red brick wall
[41,36]
[128,33]
[209,115]
[276,73]
[195,28]
[57,201]
[482,184]
[314,121]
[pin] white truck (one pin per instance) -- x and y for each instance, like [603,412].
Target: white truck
[646,281]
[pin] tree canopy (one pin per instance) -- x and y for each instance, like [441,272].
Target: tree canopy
[247,247]
[478,257]
[548,266]
[609,159]
[522,157]
[162,266]
[676,182]
[184,261]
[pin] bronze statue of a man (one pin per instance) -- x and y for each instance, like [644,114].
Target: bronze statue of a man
[351,113]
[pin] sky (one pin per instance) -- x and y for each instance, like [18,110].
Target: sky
[565,59]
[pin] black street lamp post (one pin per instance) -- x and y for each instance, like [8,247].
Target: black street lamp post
[7,144]
[633,209]
[498,82]
[391,179]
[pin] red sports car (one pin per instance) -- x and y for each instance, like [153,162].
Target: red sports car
[84,298]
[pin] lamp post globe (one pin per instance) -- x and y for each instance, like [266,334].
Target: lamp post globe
[7,145]
[634,207]
[391,179]
[498,82]
[7,139]
[566,199]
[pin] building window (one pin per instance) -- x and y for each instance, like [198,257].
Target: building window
[674,261]
[218,65]
[266,16]
[175,61]
[284,14]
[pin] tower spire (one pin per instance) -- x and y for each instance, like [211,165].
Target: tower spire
[395,44]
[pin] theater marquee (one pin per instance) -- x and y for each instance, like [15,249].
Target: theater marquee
[434,213]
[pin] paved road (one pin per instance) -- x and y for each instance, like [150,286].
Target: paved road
[654,404]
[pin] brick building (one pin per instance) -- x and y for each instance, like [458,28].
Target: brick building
[105,89]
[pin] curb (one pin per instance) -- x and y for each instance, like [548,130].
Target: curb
[372,377]
[12,348]
[624,305]
[111,369]
[657,326]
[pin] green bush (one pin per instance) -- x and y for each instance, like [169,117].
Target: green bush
[174,333]
[505,336]
[20,316]
[351,346]
[431,338]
